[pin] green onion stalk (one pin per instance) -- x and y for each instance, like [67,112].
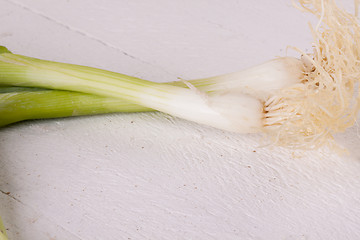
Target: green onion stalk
[20,103]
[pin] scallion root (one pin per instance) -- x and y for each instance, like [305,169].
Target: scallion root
[306,115]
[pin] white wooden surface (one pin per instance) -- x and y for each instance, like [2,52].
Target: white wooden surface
[152,176]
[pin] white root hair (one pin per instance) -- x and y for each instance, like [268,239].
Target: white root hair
[306,115]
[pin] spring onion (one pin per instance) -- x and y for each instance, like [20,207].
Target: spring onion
[300,103]
[22,103]
[216,108]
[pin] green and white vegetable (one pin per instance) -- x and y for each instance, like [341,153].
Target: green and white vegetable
[220,93]
[232,102]
[299,103]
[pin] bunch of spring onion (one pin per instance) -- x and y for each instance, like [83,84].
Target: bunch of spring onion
[299,103]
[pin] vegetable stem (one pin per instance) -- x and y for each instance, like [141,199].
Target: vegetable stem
[18,104]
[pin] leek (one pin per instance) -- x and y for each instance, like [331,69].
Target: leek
[299,103]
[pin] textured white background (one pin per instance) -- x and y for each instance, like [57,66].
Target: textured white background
[152,176]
